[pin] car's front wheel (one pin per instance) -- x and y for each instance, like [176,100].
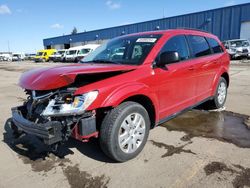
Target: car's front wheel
[124,131]
[220,96]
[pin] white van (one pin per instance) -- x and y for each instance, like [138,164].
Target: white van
[71,54]
[86,50]
[59,55]
[74,54]
[18,57]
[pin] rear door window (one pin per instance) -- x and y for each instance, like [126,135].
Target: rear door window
[177,44]
[199,46]
[214,45]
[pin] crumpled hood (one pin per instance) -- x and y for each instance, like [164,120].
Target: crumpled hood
[60,76]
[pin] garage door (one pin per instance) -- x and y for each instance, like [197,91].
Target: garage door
[245,30]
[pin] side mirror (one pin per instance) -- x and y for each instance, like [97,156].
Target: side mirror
[167,58]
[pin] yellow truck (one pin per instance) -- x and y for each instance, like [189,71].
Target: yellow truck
[43,55]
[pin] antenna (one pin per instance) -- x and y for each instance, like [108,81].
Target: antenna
[8,46]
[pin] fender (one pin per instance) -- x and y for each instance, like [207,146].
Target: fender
[123,92]
[216,79]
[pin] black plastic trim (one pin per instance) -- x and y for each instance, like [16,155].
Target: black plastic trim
[50,132]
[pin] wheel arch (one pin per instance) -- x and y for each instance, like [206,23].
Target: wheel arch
[222,73]
[225,75]
[147,103]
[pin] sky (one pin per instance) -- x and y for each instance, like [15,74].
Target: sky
[25,23]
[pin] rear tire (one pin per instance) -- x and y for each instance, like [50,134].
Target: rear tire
[124,131]
[220,96]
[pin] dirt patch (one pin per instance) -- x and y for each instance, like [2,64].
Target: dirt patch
[224,126]
[217,167]
[32,151]
[247,122]
[80,179]
[171,150]
[12,69]
[35,154]
[241,174]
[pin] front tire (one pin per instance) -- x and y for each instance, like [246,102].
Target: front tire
[124,131]
[220,95]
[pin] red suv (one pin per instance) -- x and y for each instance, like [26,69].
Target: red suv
[123,89]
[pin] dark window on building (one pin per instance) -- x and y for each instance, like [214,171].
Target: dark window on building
[178,44]
[66,46]
[214,45]
[199,46]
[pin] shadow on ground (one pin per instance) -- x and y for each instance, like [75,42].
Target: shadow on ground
[31,147]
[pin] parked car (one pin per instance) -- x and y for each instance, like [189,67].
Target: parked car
[5,57]
[18,57]
[43,55]
[30,57]
[160,75]
[237,48]
[86,49]
[58,56]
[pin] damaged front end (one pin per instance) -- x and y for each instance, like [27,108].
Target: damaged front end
[55,115]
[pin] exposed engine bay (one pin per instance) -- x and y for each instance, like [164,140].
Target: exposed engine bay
[52,111]
[51,116]
[55,115]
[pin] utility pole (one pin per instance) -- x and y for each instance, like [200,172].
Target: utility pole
[8,46]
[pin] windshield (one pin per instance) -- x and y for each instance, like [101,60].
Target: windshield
[124,50]
[71,52]
[39,54]
[84,51]
[239,43]
[60,52]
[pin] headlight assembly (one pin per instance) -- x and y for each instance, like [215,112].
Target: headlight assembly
[76,107]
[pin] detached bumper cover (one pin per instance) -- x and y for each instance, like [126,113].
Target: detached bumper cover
[50,132]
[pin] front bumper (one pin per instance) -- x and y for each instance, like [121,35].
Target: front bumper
[241,54]
[38,59]
[57,59]
[70,59]
[50,132]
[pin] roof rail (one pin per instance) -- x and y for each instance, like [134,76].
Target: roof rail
[187,28]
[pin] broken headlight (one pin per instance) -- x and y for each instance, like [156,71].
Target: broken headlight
[78,105]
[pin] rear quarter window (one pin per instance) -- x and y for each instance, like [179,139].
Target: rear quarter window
[215,46]
[199,46]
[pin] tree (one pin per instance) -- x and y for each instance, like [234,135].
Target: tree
[74,31]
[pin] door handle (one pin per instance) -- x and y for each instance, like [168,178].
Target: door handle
[191,68]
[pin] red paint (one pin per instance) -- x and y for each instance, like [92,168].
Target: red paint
[60,76]
[171,90]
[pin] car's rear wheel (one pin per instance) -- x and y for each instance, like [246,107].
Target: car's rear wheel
[124,131]
[220,96]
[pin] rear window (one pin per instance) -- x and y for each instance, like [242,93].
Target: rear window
[214,45]
[199,46]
